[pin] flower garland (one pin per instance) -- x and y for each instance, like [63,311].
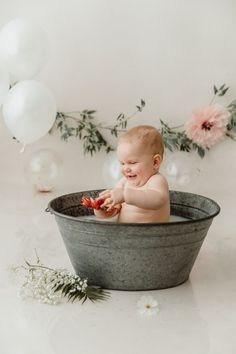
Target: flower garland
[206,127]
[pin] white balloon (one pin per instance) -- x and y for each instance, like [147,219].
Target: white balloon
[111,170]
[29,111]
[181,169]
[42,170]
[4,83]
[23,47]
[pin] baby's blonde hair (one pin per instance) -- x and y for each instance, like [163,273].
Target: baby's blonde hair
[147,135]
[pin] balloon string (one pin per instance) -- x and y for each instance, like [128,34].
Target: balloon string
[22,149]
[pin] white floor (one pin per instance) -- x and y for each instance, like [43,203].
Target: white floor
[198,317]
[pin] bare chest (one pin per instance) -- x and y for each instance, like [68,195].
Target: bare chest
[131,213]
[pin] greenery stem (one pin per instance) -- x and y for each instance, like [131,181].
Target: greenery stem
[178,126]
[212,100]
[100,125]
[35,266]
[132,115]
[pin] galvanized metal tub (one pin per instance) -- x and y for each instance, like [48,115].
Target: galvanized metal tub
[134,256]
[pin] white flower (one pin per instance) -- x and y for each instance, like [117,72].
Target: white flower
[147,306]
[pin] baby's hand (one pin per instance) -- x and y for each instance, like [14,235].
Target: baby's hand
[96,204]
[92,203]
[112,197]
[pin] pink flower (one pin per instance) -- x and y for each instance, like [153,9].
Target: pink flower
[207,125]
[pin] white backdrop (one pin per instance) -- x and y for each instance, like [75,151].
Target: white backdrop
[106,55]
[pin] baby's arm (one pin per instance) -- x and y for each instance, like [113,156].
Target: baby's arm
[113,197]
[153,197]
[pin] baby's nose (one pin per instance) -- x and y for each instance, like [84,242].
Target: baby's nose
[127,168]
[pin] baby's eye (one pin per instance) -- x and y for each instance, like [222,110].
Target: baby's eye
[133,162]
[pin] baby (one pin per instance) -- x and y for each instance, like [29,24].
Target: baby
[142,194]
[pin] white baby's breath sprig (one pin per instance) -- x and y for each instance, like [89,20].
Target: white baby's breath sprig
[52,286]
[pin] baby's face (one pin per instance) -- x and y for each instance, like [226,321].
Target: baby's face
[137,163]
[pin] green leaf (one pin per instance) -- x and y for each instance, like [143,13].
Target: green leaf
[119,116]
[232,104]
[201,151]
[167,145]
[57,287]
[223,92]
[221,87]
[91,112]
[231,136]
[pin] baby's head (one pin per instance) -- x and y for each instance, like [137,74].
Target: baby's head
[146,137]
[140,151]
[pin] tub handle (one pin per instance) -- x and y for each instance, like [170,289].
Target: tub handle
[48,210]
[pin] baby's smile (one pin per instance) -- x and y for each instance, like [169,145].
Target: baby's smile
[129,176]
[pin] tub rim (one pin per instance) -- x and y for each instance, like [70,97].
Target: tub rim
[142,224]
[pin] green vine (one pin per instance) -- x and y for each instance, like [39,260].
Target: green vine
[83,125]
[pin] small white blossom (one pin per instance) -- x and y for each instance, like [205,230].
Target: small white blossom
[147,306]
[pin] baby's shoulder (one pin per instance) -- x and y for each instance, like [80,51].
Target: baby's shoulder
[157,180]
[120,183]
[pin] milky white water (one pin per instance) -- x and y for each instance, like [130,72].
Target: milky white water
[173,218]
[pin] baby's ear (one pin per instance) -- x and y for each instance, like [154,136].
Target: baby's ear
[157,159]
